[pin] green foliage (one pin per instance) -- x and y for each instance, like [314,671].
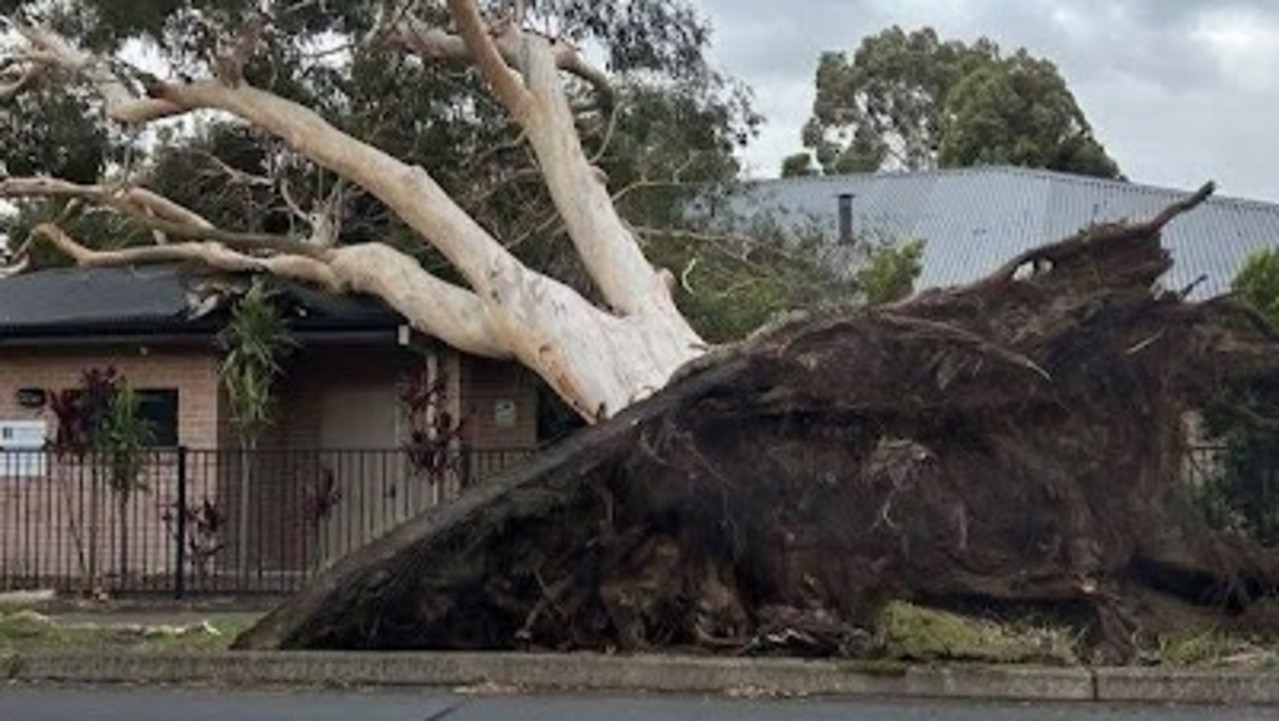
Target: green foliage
[253,343]
[1200,646]
[102,231]
[798,165]
[1258,283]
[45,132]
[888,97]
[735,274]
[890,271]
[1243,494]
[914,101]
[1019,112]
[124,437]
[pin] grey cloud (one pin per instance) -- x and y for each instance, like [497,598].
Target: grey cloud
[1163,104]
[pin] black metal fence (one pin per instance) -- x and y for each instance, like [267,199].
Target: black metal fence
[188,521]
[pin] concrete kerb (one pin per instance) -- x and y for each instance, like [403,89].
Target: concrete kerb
[648,674]
[536,672]
[1188,686]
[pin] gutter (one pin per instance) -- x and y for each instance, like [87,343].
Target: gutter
[193,337]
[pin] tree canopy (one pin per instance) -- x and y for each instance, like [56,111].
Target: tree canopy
[915,101]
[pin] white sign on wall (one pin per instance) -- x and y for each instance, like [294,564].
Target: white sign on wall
[504,414]
[22,448]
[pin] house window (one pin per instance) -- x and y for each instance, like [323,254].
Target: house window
[159,406]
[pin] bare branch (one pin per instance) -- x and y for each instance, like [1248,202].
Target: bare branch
[214,255]
[489,59]
[153,212]
[434,306]
[121,103]
[433,44]
[20,265]
[161,207]
[237,176]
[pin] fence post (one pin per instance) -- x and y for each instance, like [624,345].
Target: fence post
[180,556]
[464,466]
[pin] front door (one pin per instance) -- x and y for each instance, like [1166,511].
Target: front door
[359,466]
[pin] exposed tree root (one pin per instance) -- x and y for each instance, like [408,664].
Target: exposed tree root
[1017,440]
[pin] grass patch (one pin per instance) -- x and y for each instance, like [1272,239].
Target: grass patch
[908,632]
[27,631]
[1209,647]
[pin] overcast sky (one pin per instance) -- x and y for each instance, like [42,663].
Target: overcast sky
[1179,91]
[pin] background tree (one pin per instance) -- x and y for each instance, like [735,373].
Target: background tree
[913,101]
[1241,490]
[1019,111]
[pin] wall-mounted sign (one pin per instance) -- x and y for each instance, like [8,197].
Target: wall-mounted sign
[32,397]
[505,414]
[22,449]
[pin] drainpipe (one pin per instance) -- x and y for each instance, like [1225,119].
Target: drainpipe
[845,218]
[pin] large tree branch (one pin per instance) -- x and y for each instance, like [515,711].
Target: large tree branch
[433,306]
[608,250]
[409,191]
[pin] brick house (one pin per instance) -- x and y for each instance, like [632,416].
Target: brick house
[339,432]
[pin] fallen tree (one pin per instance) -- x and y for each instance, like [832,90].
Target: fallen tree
[599,348]
[1013,441]
[1017,440]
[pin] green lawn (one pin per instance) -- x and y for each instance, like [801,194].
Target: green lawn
[28,631]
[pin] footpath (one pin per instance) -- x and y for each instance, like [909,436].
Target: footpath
[76,661]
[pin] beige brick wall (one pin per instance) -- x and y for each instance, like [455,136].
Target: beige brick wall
[192,370]
[44,523]
[499,404]
[47,524]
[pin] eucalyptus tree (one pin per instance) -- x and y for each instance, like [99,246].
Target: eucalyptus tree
[410,150]
[913,100]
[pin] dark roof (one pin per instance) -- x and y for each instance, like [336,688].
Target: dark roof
[153,300]
[974,219]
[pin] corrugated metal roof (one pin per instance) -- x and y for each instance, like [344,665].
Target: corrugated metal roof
[974,219]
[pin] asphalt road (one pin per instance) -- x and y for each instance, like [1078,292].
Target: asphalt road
[50,703]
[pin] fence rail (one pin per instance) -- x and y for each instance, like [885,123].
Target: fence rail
[192,521]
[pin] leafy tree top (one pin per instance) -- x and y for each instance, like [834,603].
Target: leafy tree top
[912,100]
